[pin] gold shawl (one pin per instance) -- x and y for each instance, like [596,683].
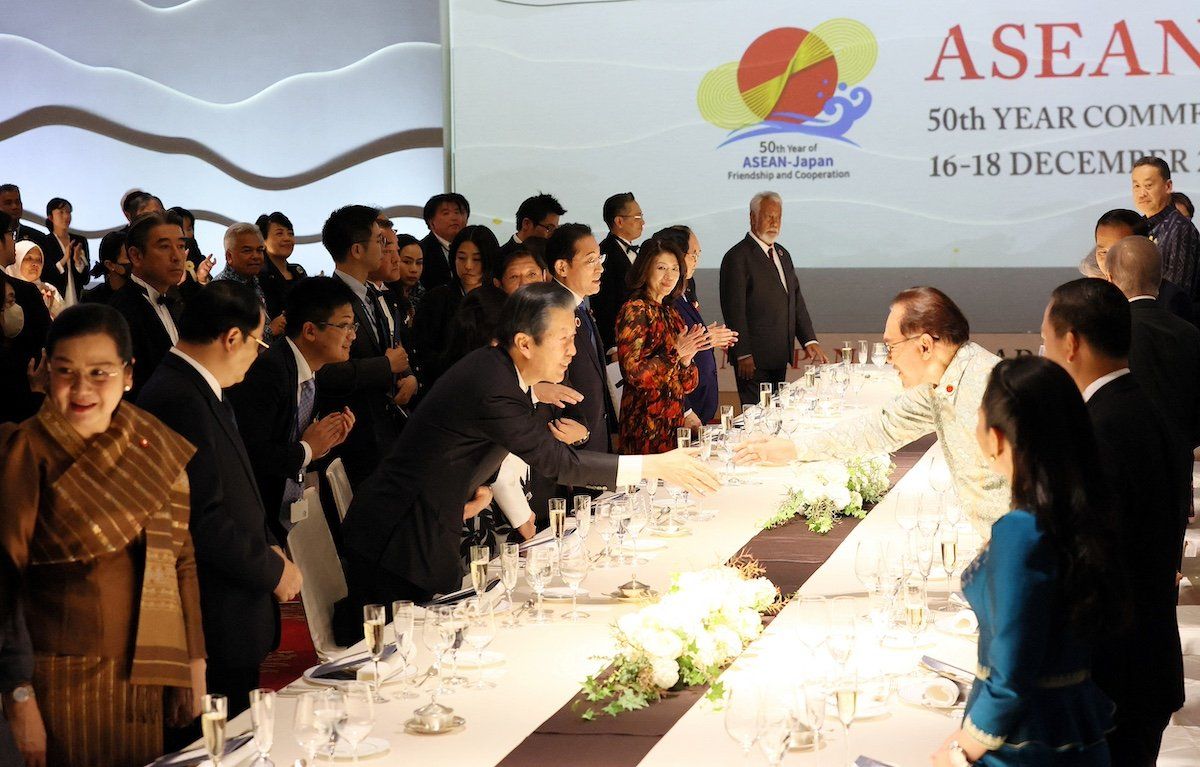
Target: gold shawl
[124,484]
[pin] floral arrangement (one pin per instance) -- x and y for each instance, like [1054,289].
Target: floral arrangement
[825,490]
[687,638]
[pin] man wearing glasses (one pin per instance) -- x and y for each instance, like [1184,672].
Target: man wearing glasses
[537,216]
[944,375]
[623,217]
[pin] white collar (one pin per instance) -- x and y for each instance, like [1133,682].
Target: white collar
[1099,383]
[524,386]
[444,243]
[578,298]
[151,293]
[359,288]
[1146,297]
[516,239]
[303,369]
[203,371]
[765,246]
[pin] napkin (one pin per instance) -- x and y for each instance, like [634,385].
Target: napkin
[965,621]
[366,672]
[940,692]
[542,538]
[346,669]
[193,757]
[455,597]
[866,761]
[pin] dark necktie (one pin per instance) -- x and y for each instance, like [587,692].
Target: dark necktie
[382,333]
[634,248]
[293,489]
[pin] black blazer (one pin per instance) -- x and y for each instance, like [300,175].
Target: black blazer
[275,288]
[588,375]
[1150,477]
[431,329]
[407,516]
[364,383]
[613,294]
[1176,301]
[52,252]
[17,402]
[265,403]
[237,568]
[1165,356]
[437,266]
[151,341]
[754,303]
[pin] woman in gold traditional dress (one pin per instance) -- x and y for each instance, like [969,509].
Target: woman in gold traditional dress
[94,513]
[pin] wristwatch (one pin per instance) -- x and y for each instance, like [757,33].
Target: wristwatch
[22,693]
[958,757]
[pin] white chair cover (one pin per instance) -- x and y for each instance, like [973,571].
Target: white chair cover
[616,382]
[324,582]
[339,485]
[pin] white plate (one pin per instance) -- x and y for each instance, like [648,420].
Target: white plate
[368,749]
[467,658]
[912,692]
[561,594]
[945,624]
[308,677]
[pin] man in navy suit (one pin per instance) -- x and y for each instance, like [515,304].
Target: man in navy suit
[445,215]
[243,571]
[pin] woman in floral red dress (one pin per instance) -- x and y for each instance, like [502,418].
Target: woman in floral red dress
[655,351]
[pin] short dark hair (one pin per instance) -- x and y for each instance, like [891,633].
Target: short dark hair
[538,207]
[110,246]
[527,311]
[184,214]
[639,272]
[473,325]
[678,234]
[929,310]
[448,198]
[217,308]
[132,201]
[481,237]
[614,205]
[6,188]
[315,299]
[346,226]
[536,245]
[561,245]
[139,228]
[1163,169]
[264,222]
[1123,217]
[89,319]
[1179,198]
[403,240]
[507,257]
[1095,310]
[54,204]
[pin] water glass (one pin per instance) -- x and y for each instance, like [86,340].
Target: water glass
[358,716]
[583,516]
[683,438]
[479,633]
[403,622]
[510,572]
[309,729]
[539,569]
[573,564]
[879,354]
[262,718]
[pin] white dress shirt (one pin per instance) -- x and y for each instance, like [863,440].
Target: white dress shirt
[1099,383]
[209,378]
[303,373]
[164,316]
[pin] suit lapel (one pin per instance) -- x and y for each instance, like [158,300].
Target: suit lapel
[371,347]
[290,376]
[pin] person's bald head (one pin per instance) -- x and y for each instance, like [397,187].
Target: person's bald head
[1135,266]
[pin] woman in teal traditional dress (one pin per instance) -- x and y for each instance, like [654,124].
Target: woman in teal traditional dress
[1044,585]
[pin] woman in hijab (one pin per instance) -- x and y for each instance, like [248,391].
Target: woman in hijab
[28,267]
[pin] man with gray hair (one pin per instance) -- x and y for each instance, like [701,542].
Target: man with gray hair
[1164,351]
[762,302]
[245,252]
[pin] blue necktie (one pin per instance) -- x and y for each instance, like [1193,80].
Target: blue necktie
[293,490]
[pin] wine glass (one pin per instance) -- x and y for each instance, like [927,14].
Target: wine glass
[879,354]
[741,717]
[480,557]
[908,508]
[842,632]
[775,722]
[558,517]
[510,572]
[262,718]
[939,474]
[573,564]
[683,437]
[771,420]
[539,569]
[846,690]
[729,448]
[815,704]
[403,620]
[331,708]
[374,621]
[213,714]
[866,565]
[307,728]
[583,516]
[789,421]
[359,716]
[457,623]
[603,523]
[639,518]
[929,514]
[916,607]
[437,642]
[750,416]
[813,614]
[726,418]
[480,631]
[921,553]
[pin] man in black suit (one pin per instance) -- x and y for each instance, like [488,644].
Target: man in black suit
[1165,354]
[10,203]
[1086,329]
[366,383]
[24,325]
[403,527]
[762,302]
[243,571]
[576,263]
[1116,225]
[536,216]
[149,301]
[625,222]
[276,402]
[445,215]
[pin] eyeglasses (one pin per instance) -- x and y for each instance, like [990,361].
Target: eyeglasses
[345,327]
[638,217]
[891,347]
[548,227]
[382,242]
[258,341]
[97,376]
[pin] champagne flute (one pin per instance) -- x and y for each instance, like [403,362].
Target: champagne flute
[639,518]
[510,572]
[307,729]
[262,718]
[706,442]
[813,614]
[374,621]
[726,418]
[480,631]
[358,717]
[213,714]
[948,539]
[558,517]
[929,515]
[604,527]
[847,353]
[741,717]
[862,351]
[846,690]
[574,568]
[436,641]
[403,621]
[539,569]
[866,565]
[764,395]
[683,438]
[583,516]
[842,632]
[480,557]
[916,607]
[728,449]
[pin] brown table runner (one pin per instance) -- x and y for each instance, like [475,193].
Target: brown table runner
[790,555]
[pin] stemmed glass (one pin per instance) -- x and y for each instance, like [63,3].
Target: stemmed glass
[309,729]
[772,419]
[437,641]
[775,722]
[750,416]
[908,508]
[948,539]
[481,556]
[480,631]
[862,352]
[683,437]
[939,475]
[213,714]
[583,516]
[921,553]
[846,690]
[331,708]
[573,564]
[916,607]
[458,621]
[539,569]
[789,421]
[813,614]
[741,717]
[403,620]
[639,518]
[510,572]
[603,522]
[842,633]
[262,717]
[764,395]
[732,439]
[706,442]
[929,515]
[866,565]
[879,354]
[726,418]
[358,716]
[374,622]
[815,705]
[558,517]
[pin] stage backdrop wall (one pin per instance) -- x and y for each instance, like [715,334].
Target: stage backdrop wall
[228,108]
[971,145]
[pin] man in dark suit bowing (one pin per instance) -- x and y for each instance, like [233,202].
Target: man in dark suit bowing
[445,215]
[1165,353]
[762,302]
[1086,329]
[149,302]
[276,402]
[1114,226]
[576,263]
[625,222]
[402,531]
[24,326]
[366,382]
[243,571]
